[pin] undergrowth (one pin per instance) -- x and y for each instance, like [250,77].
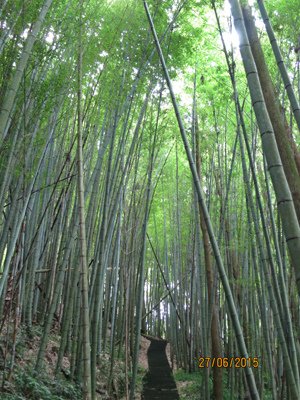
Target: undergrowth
[28,384]
[190,386]
[24,383]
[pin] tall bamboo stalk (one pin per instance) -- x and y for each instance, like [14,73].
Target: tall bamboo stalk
[219,262]
[283,195]
[85,323]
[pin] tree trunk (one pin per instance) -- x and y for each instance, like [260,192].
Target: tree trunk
[216,346]
[85,323]
[281,65]
[221,269]
[283,194]
[280,129]
[11,92]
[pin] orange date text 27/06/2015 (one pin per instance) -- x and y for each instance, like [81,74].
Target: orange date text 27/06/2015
[228,362]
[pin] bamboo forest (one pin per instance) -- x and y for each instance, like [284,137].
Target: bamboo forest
[150,199]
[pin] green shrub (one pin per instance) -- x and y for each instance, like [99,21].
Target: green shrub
[33,386]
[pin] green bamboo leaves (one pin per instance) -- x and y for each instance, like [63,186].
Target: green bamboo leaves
[91,166]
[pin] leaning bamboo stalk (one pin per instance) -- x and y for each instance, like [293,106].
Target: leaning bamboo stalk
[280,63]
[278,307]
[19,222]
[274,306]
[11,93]
[274,111]
[219,261]
[281,305]
[283,195]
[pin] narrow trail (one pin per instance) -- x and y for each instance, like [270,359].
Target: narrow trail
[159,383]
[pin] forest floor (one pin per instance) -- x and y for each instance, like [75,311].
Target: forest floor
[23,383]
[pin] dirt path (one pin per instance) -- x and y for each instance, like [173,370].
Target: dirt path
[159,383]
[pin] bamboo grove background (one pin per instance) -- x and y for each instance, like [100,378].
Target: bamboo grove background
[110,226]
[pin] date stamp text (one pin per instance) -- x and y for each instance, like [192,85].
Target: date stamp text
[228,362]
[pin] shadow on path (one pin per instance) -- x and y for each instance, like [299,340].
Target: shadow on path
[159,383]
